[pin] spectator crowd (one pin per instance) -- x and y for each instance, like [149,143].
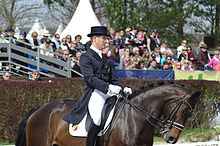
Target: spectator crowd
[128,49]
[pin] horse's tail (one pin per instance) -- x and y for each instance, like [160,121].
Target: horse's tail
[21,137]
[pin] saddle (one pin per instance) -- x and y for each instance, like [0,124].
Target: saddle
[108,106]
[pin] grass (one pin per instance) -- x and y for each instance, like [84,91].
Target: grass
[195,135]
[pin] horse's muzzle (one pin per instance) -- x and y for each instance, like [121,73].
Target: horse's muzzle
[169,138]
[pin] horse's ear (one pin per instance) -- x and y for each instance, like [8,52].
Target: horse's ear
[196,96]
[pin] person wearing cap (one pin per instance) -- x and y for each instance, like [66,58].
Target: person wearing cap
[203,56]
[153,41]
[101,83]
[46,35]
[46,48]
[165,48]
[10,33]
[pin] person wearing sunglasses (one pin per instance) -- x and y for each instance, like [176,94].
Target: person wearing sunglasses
[6,76]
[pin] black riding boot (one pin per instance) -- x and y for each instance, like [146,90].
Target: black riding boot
[92,134]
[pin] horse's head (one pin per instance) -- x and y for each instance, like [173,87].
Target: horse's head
[175,114]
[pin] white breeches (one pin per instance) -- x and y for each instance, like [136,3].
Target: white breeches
[96,103]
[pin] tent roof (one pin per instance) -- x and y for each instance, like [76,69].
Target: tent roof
[82,21]
[36,27]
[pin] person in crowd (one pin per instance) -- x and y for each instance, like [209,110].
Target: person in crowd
[10,32]
[146,57]
[137,53]
[142,65]
[115,57]
[183,55]
[166,66]
[76,69]
[139,41]
[64,45]
[106,51]
[201,43]
[46,49]
[178,66]
[131,38]
[153,65]
[191,56]
[186,65]
[169,61]
[6,76]
[203,56]
[35,76]
[145,39]
[165,48]
[24,33]
[34,41]
[73,49]
[46,36]
[68,39]
[124,62]
[153,41]
[214,61]
[112,39]
[124,51]
[65,59]
[57,41]
[181,47]
[99,87]
[164,55]
[121,39]
[80,45]
[132,63]
[158,55]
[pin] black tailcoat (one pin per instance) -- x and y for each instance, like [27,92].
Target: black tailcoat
[98,74]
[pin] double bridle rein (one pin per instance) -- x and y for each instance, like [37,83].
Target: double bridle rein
[169,120]
[167,124]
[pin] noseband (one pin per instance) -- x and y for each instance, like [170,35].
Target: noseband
[169,120]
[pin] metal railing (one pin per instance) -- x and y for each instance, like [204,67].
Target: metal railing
[16,57]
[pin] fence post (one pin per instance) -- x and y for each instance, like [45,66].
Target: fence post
[38,59]
[69,67]
[9,54]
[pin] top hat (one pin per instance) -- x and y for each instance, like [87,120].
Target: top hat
[98,30]
[9,29]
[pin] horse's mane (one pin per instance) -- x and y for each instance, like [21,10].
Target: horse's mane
[151,85]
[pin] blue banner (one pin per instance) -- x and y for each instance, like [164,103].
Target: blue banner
[146,74]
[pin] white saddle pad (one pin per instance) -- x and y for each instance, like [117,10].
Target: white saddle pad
[80,131]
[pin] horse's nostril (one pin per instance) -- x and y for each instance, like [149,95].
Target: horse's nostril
[171,139]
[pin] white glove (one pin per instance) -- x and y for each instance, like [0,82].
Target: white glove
[114,89]
[127,90]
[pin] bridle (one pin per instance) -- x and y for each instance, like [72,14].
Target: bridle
[169,121]
[167,124]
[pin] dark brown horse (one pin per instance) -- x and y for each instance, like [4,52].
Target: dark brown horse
[165,108]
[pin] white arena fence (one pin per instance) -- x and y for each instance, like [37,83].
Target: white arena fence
[212,143]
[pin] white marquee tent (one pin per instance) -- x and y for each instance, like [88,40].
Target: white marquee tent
[82,21]
[36,27]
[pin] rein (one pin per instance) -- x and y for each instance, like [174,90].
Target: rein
[144,115]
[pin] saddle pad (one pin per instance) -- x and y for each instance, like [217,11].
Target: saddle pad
[80,130]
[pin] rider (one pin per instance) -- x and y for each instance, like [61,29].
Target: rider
[101,83]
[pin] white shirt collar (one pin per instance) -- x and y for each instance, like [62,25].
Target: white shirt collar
[99,52]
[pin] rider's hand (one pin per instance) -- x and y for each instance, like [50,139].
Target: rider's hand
[127,90]
[114,89]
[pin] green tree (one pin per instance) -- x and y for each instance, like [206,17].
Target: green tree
[208,14]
